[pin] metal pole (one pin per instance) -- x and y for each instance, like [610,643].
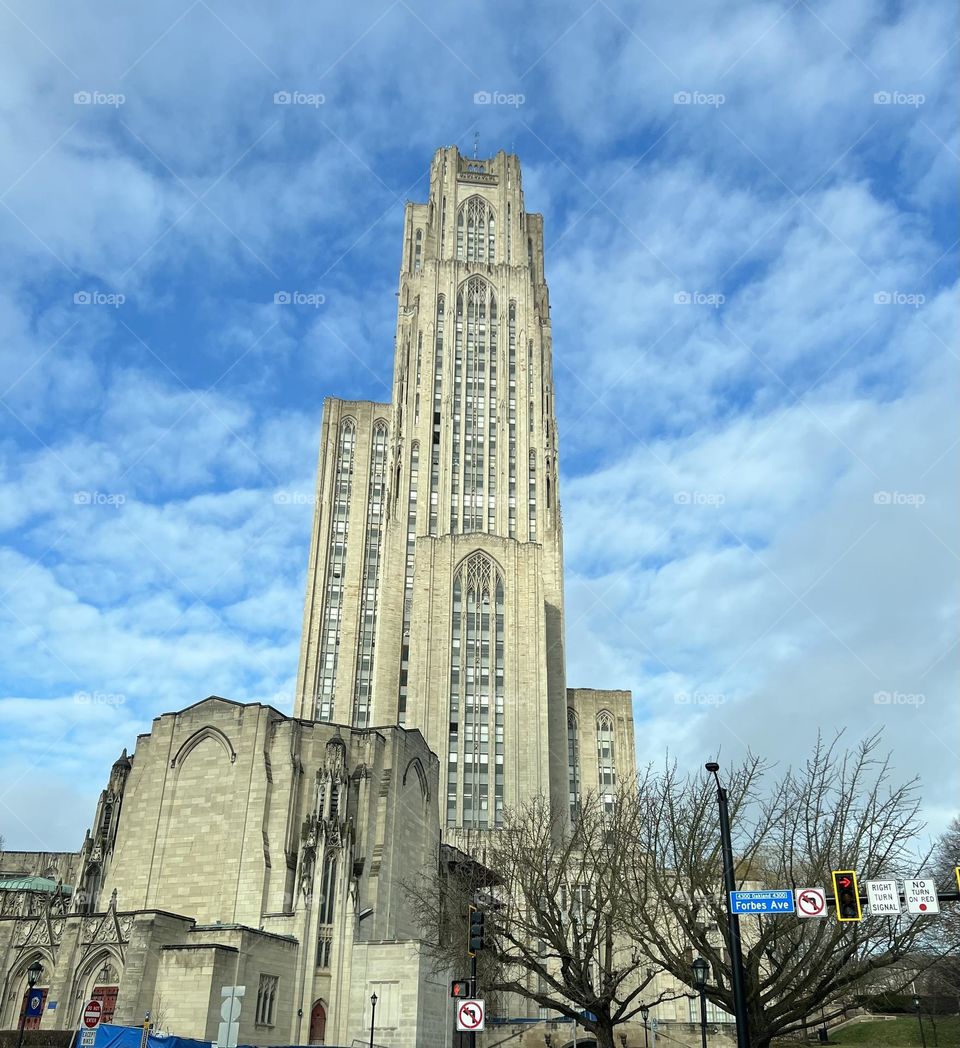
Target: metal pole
[646,1042]
[703,1017]
[373,1016]
[473,992]
[23,1022]
[923,1036]
[733,921]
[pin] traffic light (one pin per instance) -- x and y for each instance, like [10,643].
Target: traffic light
[475,942]
[461,988]
[846,895]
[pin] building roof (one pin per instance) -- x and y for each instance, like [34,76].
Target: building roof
[32,884]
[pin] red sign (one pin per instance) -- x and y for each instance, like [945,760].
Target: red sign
[91,1014]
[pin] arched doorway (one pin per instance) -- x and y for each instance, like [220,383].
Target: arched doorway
[105,986]
[33,1002]
[318,1023]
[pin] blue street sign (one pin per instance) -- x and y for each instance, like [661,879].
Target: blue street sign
[779,900]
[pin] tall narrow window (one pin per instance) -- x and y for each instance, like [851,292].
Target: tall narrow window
[363,684]
[437,403]
[336,562]
[606,759]
[573,763]
[474,409]
[408,582]
[418,251]
[512,420]
[474,794]
[532,497]
[509,234]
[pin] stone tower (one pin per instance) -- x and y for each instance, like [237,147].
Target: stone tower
[435,586]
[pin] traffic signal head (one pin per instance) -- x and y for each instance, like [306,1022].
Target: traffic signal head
[846,895]
[475,941]
[460,988]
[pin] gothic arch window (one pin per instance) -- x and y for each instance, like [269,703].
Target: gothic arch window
[363,684]
[437,401]
[408,581]
[532,497]
[418,251]
[573,763]
[606,758]
[337,557]
[476,231]
[474,445]
[475,772]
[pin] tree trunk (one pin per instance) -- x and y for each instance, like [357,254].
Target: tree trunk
[604,1035]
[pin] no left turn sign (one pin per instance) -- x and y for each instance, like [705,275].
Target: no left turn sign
[470,1015]
[811,902]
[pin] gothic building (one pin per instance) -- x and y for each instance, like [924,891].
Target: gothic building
[242,847]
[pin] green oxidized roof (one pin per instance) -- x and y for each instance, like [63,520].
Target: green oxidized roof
[32,884]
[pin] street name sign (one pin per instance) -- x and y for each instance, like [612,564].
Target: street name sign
[811,902]
[470,1015]
[777,900]
[883,897]
[921,896]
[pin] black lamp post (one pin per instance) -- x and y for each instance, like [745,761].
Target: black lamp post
[373,1015]
[33,974]
[645,1014]
[916,1005]
[733,921]
[700,972]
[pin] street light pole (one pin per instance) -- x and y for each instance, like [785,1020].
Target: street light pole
[733,921]
[700,970]
[373,1015]
[916,1004]
[645,1013]
[33,974]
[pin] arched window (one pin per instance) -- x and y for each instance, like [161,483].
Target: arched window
[474,792]
[476,231]
[417,251]
[606,758]
[336,563]
[363,682]
[573,763]
[532,497]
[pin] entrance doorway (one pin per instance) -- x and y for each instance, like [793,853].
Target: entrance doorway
[318,1024]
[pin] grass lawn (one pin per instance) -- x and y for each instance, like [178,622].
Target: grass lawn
[903,1032]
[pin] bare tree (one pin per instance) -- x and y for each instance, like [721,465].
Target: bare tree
[555,899]
[841,810]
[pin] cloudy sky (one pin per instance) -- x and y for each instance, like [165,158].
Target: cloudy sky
[751,221]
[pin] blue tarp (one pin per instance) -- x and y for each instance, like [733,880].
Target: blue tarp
[109,1036]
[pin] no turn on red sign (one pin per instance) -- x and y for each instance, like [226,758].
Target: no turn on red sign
[91,1014]
[470,1015]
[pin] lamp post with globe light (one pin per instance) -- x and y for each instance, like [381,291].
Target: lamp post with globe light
[700,972]
[33,975]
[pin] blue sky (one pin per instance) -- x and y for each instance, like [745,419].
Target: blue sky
[751,245]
